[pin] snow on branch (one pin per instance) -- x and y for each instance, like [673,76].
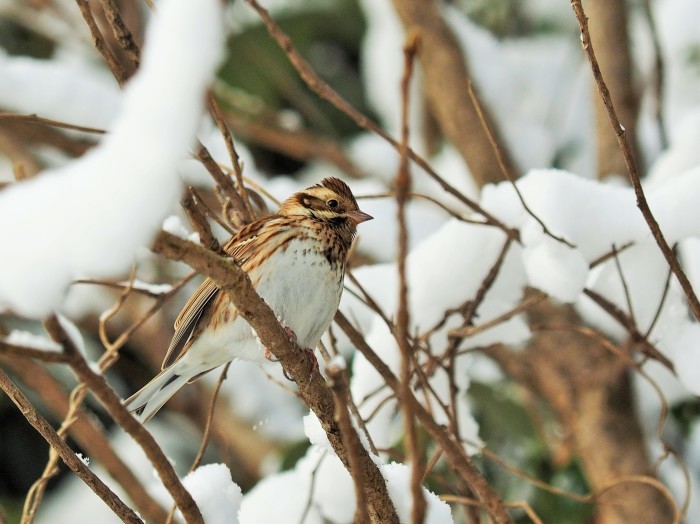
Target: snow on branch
[89,217]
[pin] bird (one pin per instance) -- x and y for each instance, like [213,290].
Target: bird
[296,260]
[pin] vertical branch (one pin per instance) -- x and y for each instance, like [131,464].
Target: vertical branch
[403,189]
[247,211]
[630,163]
[609,30]
[67,455]
[101,44]
[658,74]
[351,439]
[445,74]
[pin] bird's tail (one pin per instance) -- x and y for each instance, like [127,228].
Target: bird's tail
[149,399]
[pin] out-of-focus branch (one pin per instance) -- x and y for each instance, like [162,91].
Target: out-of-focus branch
[67,455]
[299,144]
[312,389]
[445,77]
[609,31]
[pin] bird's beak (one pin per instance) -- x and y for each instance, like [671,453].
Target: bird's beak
[358,216]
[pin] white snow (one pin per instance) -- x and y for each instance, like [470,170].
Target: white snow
[28,339]
[556,269]
[216,495]
[89,217]
[77,95]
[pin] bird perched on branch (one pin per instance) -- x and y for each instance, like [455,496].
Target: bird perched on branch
[296,261]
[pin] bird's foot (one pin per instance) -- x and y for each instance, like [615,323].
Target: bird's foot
[312,360]
[292,338]
[310,356]
[269,356]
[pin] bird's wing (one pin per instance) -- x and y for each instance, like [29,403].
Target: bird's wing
[196,312]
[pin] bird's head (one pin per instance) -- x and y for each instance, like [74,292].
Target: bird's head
[330,201]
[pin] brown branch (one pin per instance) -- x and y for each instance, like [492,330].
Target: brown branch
[631,165]
[67,455]
[121,32]
[225,184]
[403,188]
[108,398]
[198,220]
[462,465]
[101,44]
[312,389]
[299,144]
[88,433]
[246,211]
[340,389]
[13,350]
[628,323]
[49,122]
[445,77]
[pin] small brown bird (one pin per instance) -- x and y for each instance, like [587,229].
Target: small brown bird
[296,261]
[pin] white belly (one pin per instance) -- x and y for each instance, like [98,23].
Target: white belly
[303,290]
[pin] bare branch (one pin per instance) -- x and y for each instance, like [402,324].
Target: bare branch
[67,455]
[631,165]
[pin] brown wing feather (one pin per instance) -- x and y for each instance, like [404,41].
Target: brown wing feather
[240,247]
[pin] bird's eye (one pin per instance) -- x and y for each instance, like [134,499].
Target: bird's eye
[332,203]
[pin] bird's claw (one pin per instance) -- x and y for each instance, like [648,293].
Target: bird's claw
[310,356]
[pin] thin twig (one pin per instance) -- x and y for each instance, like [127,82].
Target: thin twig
[657,75]
[215,111]
[403,188]
[631,165]
[498,152]
[49,122]
[625,286]
[312,487]
[322,89]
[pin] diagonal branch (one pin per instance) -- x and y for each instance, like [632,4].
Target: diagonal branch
[67,455]
[632,170]
[106,395]
[313,389]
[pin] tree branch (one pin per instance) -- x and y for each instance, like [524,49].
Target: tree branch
[313,389]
